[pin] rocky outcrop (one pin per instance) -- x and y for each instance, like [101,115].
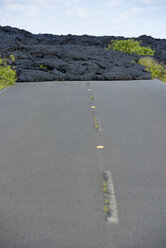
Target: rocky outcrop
[69,57]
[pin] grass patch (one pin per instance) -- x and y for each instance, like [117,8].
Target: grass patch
[7,72]
[157,70]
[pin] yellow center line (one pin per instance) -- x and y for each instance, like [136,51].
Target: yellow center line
[100,147]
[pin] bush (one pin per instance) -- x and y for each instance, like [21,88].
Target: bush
[7,72]
[130,46]
[156,70]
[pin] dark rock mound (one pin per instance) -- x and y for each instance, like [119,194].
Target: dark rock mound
[74,62]
[69,57]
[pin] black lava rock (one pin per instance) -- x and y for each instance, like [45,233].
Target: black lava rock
[47,57]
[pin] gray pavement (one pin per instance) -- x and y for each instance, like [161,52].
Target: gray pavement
[51,171]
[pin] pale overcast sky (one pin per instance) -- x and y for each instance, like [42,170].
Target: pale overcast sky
[127,18]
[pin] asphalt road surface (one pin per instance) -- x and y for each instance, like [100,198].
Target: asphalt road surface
[57,139]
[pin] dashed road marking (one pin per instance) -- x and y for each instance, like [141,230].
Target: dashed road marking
[100,147]
[110,207]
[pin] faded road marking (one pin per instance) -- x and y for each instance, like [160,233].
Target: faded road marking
[99,124]
[110,207]
[96,122]
[91,97]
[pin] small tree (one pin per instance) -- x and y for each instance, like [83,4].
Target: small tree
[130,46]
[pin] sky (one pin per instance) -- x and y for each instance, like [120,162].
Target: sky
[129,18]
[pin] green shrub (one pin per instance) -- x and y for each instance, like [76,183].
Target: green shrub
[7,72]
[156,70]
[130,46]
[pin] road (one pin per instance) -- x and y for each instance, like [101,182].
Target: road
[57,139]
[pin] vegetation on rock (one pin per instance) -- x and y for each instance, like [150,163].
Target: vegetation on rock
[130,46]
[7,72]
[157,70]
[43,67]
